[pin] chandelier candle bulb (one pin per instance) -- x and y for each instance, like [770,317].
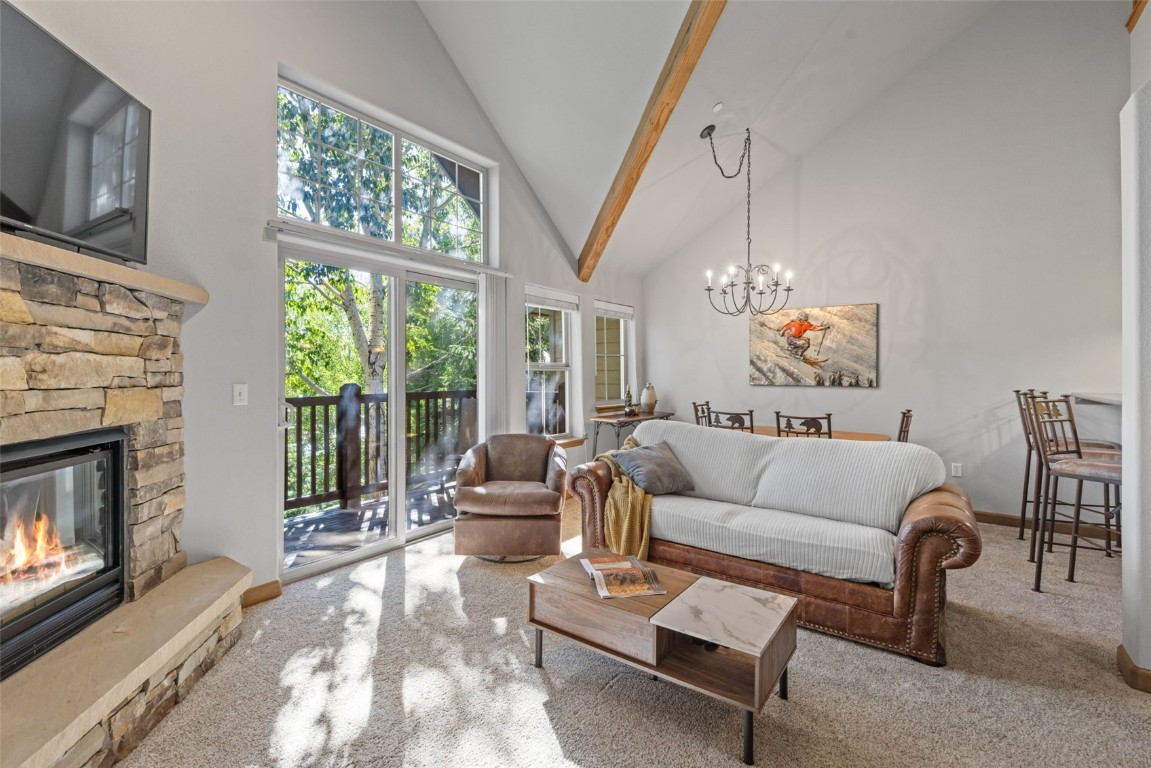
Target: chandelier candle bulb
[709,278]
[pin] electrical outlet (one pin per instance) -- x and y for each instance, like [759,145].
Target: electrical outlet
[239,394]
[957,470]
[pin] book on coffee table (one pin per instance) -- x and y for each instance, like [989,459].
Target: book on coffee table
[620,576]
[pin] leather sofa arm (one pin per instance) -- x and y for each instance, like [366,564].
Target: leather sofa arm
[590,482]
[938,532]
[472,471]
[943,512]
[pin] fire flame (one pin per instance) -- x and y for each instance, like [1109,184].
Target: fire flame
[32,550]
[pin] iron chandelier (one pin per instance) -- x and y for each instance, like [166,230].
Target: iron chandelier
[746,288]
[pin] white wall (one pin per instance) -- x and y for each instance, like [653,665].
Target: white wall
[208,71]
[1136,138]
[977,201]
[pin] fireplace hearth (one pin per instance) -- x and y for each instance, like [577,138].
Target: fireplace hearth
[62,540]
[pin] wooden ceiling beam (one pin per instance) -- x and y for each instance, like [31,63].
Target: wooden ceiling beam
[697,26]
[1137,7]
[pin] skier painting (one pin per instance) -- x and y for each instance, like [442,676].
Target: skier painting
[834,346]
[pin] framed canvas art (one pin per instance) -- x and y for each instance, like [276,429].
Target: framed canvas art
[816,347]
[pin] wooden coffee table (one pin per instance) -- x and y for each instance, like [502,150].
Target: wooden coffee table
[725,640]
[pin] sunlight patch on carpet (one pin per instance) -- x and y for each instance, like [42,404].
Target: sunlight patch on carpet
[330,688]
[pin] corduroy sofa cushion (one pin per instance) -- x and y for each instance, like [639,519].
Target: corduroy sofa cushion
[863,483]
[806,543]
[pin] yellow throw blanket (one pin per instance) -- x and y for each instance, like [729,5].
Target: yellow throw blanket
[627,513]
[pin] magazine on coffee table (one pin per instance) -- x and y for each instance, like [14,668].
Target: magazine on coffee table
[619,576]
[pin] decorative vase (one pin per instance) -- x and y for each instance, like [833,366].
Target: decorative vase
[629,408]
[647,399]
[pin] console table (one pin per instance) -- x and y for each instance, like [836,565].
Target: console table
[618,421]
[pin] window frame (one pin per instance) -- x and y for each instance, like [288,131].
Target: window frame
[568,319]
[399,136]
[626,315]
[626,326]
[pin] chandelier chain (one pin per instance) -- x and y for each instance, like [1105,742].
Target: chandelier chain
[745,156]
[747,149]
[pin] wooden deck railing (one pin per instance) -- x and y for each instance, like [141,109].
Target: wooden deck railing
[337,445]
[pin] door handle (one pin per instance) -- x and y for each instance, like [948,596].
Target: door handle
[287,415]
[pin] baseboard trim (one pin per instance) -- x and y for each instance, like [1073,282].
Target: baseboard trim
[261,593]
[1136,677]
[1061,526]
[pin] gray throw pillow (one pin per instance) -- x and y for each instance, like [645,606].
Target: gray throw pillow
[655,469]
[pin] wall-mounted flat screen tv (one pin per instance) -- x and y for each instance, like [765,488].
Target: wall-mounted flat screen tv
[73,147]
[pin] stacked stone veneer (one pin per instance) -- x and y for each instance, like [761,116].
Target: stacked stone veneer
[78,355]
[122,731]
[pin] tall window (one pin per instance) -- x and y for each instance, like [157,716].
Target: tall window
[612,351]
[548,368]
[114,145]
[344,172]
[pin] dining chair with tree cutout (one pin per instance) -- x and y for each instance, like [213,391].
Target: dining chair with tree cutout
[904,426]
[743,421]
[803,426]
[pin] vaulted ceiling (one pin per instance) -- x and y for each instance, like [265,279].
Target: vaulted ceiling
[565,85]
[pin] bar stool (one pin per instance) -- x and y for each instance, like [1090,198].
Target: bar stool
[1093,448]
[1057,440]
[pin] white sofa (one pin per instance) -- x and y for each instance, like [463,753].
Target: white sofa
[861,531]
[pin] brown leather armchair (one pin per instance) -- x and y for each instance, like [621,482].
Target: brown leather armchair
[509,494]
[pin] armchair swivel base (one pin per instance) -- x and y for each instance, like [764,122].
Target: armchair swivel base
[507,539]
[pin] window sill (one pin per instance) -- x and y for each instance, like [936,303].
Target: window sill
[570,442]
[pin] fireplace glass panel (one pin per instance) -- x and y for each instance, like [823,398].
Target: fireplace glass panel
[54,531]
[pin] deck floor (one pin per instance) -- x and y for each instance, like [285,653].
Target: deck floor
[317,535]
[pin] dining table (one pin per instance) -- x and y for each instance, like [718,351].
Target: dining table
[838,434]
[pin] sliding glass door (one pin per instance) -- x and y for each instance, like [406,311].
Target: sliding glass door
[358,475]
[441,418]
[336,492]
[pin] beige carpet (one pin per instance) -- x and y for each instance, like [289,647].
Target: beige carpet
[422,658]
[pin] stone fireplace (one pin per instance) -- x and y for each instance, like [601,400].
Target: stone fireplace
[91,426]
[80,355]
